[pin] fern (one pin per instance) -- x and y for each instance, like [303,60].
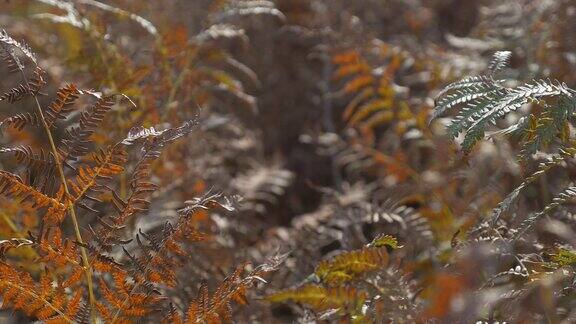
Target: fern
[375,100]
[485,99]
[323,298]
[41,300]
[351,265]
[346,284]
[12,186]
[116,291]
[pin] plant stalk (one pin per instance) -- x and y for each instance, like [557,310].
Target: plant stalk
[85,261]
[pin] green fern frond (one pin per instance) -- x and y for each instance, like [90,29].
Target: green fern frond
[484,100]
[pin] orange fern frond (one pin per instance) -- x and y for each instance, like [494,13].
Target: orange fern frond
[58,251]
[129,303]
[12,186]
[61,106]
[41,300]
[109,162]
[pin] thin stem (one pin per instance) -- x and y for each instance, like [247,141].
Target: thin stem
[85,261]
[10,223]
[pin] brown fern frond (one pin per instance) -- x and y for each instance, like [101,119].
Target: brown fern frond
[77,139]
[15,94]
[8,56]
[58,109]
[19,121]
[41,300]
[31,88]
[12,186]
[32,160]
[141,188]
[217,308]
[40,167]
[348,266]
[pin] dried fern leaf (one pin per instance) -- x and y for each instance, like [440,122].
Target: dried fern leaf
[12,186]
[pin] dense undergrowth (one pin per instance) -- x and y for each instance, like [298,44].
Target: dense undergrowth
[288,161]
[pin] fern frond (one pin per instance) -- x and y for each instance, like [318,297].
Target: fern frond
[553,161]
[39,161]
[40,167]
[500,60]
[77,139]
[156,262]
[24,48]
[41,300]
[322,298]
[57,251]
[482,81]
[31,88]
[12,186]
[348,266]
[557,201]
[141,187]
[61,106]
[123,297]
[109,162]
[8,56]
[466,95]
[15,94]
[262,187]
[515,99]
[215,308]
[486,100]
[19,121]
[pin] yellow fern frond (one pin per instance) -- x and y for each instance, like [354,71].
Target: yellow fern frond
[322,298]
[348,266]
